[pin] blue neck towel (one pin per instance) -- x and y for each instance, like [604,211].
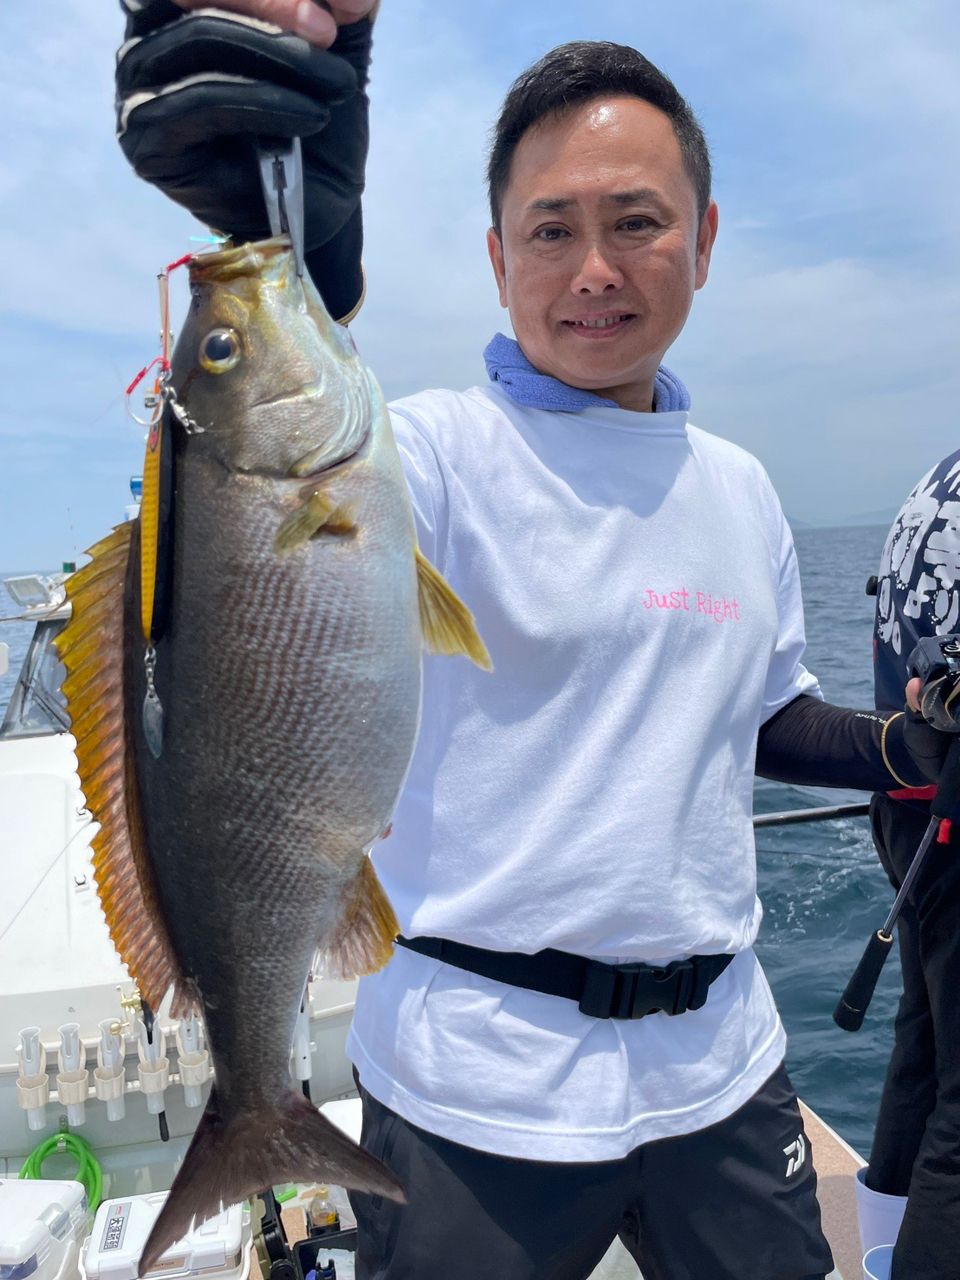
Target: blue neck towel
[508,366]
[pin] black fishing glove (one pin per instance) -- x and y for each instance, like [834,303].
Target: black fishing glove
[926,746]
[194,90]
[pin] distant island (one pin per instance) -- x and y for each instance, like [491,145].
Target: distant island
[883,516]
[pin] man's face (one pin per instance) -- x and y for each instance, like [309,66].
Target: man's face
[601,248]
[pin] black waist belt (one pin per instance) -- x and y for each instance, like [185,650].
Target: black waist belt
[600,990]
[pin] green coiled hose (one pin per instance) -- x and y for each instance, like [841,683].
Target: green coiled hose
[88,1172]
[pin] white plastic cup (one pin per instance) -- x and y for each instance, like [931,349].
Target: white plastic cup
[877,1263]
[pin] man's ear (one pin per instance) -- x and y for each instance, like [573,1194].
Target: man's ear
[495,250]
[705,240]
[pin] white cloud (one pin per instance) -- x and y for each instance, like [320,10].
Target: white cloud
[825,340]
[431,300]
[83,238]
[839,375]
[881,60]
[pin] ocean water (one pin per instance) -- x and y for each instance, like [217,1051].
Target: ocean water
[821,885]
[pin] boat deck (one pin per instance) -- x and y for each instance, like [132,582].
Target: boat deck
[836,1164]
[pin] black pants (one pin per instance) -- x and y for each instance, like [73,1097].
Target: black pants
[736,1201]
[916,1150]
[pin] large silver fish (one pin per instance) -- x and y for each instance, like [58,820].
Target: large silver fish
[240,787]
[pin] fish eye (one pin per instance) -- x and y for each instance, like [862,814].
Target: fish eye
[219,351]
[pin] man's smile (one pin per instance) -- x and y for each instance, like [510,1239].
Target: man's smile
[599,326]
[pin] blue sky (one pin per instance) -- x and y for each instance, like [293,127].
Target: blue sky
[826,340]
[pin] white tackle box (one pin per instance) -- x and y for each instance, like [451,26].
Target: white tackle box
[218,1249]
[42,1223]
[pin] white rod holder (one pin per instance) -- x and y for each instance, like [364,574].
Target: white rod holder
[193,1060]
[109,1079]
[73,1083]
[154,1068]
[301,1064]
[33,1087]
[30,1053]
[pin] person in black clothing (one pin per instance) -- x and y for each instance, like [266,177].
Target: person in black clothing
[914,1168]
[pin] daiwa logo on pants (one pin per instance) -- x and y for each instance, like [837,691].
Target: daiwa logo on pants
[796,1154]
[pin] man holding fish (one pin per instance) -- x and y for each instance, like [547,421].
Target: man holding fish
[573,1039]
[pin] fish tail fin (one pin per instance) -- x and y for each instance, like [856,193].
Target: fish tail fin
[233,1158]
[362,941]
[446,622]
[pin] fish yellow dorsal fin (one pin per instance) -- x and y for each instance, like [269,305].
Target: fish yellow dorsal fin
[91,648]
[446,622]
[363,940]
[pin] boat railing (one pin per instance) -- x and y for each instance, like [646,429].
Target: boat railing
[826,813]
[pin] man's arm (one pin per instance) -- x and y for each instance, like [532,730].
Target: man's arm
[811,743]
[808,742]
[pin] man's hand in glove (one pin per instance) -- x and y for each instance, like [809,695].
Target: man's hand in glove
[195,90]
[302,17]
[927,746]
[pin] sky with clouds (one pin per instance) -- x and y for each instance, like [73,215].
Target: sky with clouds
[825,341]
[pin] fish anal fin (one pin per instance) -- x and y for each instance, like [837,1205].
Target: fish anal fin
[234,1156]
[91,648]
[446,622]
[317,514]
[362,941]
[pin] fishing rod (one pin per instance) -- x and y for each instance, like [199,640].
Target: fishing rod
[936,661]
[791,817]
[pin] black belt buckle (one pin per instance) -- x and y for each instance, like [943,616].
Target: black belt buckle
[631,991]
[684,971]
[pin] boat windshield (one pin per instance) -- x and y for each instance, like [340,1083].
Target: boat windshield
[36,704]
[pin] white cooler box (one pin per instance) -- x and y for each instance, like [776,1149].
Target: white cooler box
[41,1225]
[218,1249]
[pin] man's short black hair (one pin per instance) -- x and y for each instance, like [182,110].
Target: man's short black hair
[575,73]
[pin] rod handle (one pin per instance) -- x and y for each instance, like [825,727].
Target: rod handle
[852,1006]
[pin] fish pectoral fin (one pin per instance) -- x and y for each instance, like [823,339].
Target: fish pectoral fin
[363,940]
[446,622]
[342,519]
[318,514]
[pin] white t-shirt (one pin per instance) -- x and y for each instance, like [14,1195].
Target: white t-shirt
[635,582]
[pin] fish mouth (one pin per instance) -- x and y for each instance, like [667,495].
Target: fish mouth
[238,261]
[309,391]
